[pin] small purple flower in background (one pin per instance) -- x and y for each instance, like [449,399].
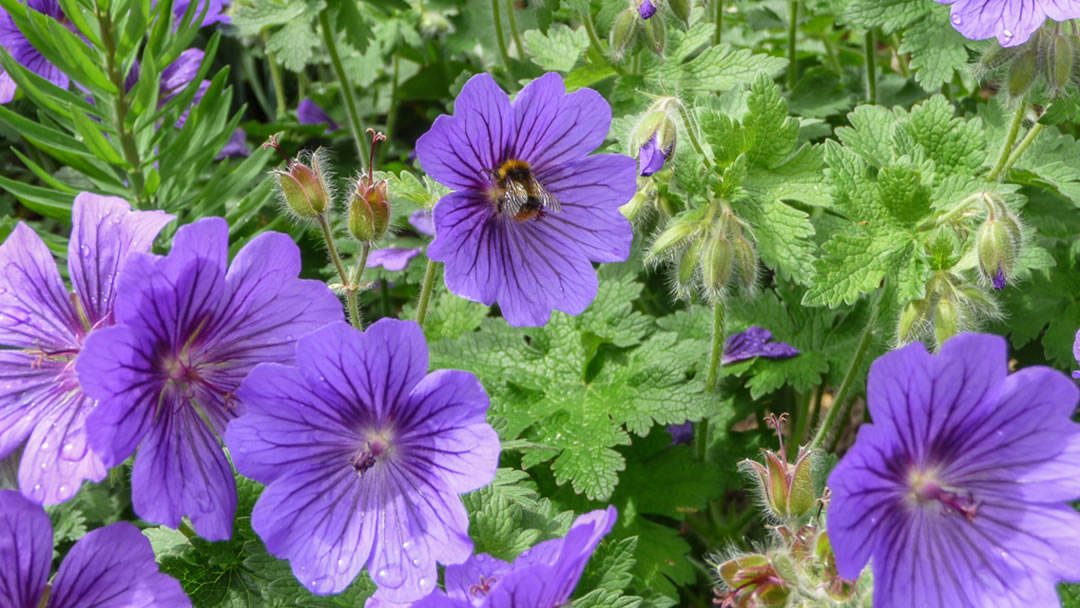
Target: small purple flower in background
[958,491]
[43,328]
[111,567]
[422,220]
[681,433]
[541,577]
[532,208]
[236,146]
[1011,21]
[20,49]
[190,326]
[364,454]
[392,258]
[215,12]
[755,342]
[652,157]
[646,8]
[309,113]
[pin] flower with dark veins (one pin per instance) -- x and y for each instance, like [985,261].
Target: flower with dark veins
[364,455]
[532,209]
[190,326]
[755,342]
[111,567]
[958,492]
[1011,21]
[20,49]
[43,328]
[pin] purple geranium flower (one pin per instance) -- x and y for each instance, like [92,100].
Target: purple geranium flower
[1011,21]
[364,453]
[681,433]
[421,220]
[189,328]
[215,12]
[957,493]
[309,113]
[542,577]
[652,157]
[13,40]
[392,258]
[528,256]
[111,567]
[43,328]
[646,8]
[755,342]
[236,146]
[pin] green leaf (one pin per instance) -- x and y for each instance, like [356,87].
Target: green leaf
[768,125]
[559,49]
[42,200]
[889,15]
[784,237]
[96,140]
[956,145]
[854,265]
[937,50]
[717,68]
[294,44]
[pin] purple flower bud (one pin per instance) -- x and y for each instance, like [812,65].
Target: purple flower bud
[755,342]
[422,220]
[652,158]
[999,279]
[646,9]
[392,258]
[681,433]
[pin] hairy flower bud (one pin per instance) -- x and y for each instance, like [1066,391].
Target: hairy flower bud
[1022,73]
[369,210]
[656,32]
[304,188]
[623,32]
[635,206]
[689,262]
[681,8]
[746,261]
[1059,63]
[717,262]
[656,137]
[671,239]
[912,321]
[753,581]
[996,250]
[946,321]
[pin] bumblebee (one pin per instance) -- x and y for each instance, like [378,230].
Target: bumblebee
[518,193]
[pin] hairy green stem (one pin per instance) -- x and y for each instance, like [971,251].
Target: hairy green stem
[594,40]
[717,344]
[352,289]
[792,31]
[701,439]
[905,69]
[1010,139]
[121,109]
[718,11]
[691,133]
[500,38]
[1025,143]
[847,383]
[425,291]
[514,28]
[870,51]
[328,237]
[346,88]
[275,75]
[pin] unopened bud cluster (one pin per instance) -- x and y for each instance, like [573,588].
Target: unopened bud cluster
[709,251]
[643,17]
[655,136]
[951,306]
[799,567]
[304,185]
[1049,57]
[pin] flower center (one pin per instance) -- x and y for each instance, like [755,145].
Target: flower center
[374,449]
[517,194]
[484,587]
[925,488]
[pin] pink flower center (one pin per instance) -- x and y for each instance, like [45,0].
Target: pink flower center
[926,489]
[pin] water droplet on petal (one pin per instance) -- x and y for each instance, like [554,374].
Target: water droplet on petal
[84,250]
[1007,34]
[63,492]
[956,19]
[416,562]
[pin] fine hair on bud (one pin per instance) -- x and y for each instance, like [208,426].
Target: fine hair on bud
[624,33]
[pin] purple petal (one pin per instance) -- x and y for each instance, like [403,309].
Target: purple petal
[681,433]
[104,233]
[237,146]
[465,224]
[26,541]
[29,392]
[309,113]
[181,470]
[552,128]
[114,567]
[57,457]
[651,158]
[754,342]
[392,258]
[1011,22]
[999,279]
[1076,352]
[480,568]
[7,87]
[591,190]
[449,407]
[178,75]
[646,9]
[422,220]
[35,310]
[459,151]
[215,12]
